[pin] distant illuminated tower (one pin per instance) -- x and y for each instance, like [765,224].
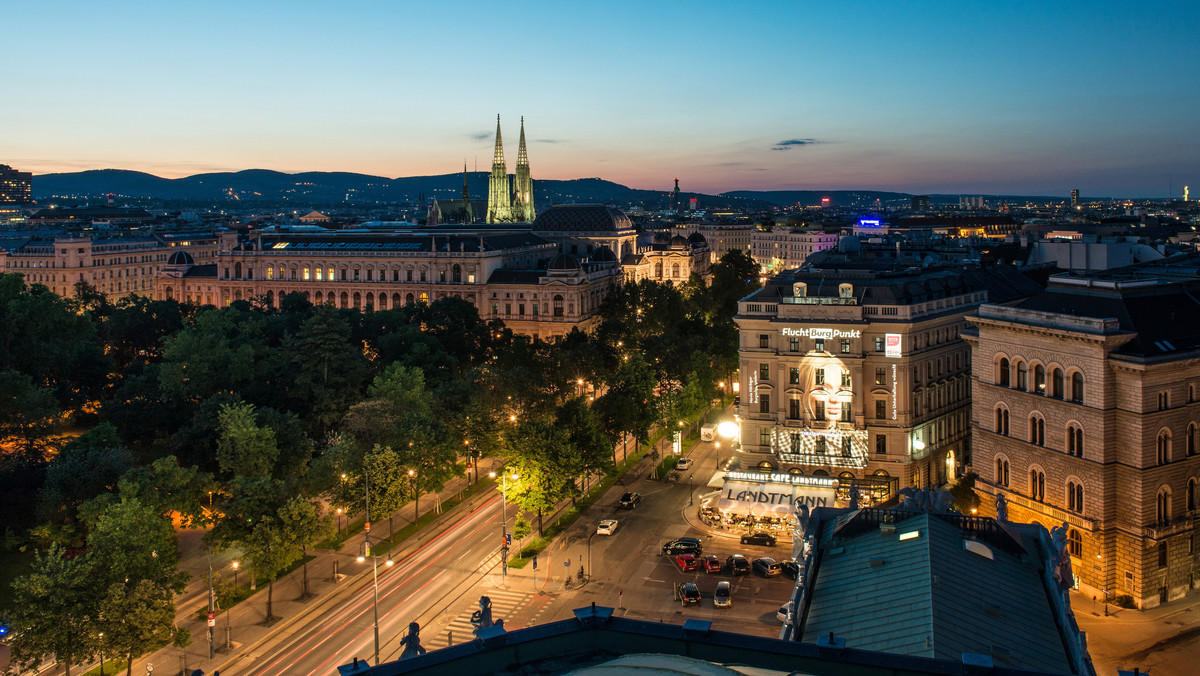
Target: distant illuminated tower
[522,206]
[15,186]
[1185,193]
[499,192]
[1075,197]
[675,195]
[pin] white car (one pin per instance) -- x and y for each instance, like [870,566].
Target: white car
[784,611]
[683,464]
[607,527]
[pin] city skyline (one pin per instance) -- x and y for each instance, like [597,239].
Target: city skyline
[1019,99]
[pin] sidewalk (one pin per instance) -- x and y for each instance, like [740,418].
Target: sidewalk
[1161,640]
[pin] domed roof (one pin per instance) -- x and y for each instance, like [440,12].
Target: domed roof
[679,242]
[603,255]
[181,258]
[697,240]
[564,261]
[582,218]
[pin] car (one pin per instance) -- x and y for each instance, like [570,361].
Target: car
[737,564]
[630,500]
[723,595]
[689,593]
[761,539]
[683,546]
[784,612]
[607,527]
[767,567]
[684,464]
[711,564]
[687,562]
[790,568]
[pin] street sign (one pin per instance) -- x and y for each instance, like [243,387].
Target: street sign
[212,619]
[508,538]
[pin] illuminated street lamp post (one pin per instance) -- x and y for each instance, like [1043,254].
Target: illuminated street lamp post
[504,518]
[211,598]
[364,551]
[412,481]
[339,516]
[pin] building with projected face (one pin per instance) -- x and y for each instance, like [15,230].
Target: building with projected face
[853,368]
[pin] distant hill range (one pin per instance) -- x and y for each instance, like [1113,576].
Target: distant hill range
[321,188]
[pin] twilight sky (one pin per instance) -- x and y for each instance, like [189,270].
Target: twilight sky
[917,96]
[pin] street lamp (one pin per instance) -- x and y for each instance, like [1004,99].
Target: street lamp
[412,481]
[211,598]
[101,653]
[364,551]
[339,516]
[504,518]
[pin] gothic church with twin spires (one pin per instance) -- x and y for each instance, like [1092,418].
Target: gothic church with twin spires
[510,197]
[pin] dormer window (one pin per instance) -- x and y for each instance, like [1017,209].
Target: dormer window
[799,289]
[845,290]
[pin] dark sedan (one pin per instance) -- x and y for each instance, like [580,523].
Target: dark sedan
[737,564]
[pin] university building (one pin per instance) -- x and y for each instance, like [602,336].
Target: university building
[116,266]
[1086,406]
[853,368]
[541,280]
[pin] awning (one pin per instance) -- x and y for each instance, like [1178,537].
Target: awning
[744,497]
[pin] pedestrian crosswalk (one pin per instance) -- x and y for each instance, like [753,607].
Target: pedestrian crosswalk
[505,604]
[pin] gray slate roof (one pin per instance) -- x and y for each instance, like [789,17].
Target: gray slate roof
[929,597]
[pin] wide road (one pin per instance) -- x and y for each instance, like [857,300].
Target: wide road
[420,585]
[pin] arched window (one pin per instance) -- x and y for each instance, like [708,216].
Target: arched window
[675,271]
[1074,543]
[1163,505]
[456,271]
[237,270]
[357,299]
[1002,374]
[1056,381]
[1077,387]
[1002,420]
[558,305]
[1037,430]
[370,302]
[1164,447]
[1074,496]
[1022,376]
[424,299]
[658,270]
[1191,438]
[1039,379]
[409,299]
[1075,441]
[344,300]
[1191,494]
[1001,472]
[1037,484]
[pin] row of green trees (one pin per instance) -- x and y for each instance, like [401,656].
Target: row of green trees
[256,420]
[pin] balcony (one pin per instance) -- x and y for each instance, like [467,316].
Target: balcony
[1167,529]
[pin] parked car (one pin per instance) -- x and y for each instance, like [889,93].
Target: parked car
[711,564]
[784,611]
[684,464]
[630,500]
[762,539]
[607,527]
[689,593]
[723,595]
[737,564]
[683,546]
[767,567]
[687,562]
[790,568]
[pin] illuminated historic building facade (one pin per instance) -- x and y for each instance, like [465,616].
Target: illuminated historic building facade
[855,370]
[782,249]
[115,266]
[1086,410]
[541,281]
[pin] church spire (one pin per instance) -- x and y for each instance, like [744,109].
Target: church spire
[523,202]
[499,193]
[466,193]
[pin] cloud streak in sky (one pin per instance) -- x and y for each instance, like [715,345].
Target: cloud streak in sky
[793,142]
